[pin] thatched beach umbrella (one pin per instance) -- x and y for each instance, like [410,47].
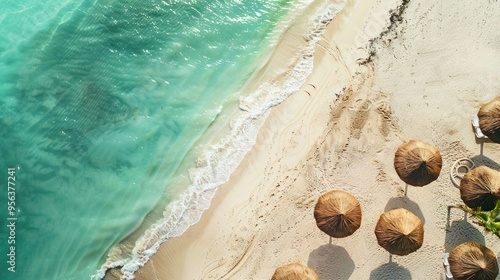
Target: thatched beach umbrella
[473,261]
[489,119]
[417,163]
[399,231]
[338,213]
[480,187]
[294,271]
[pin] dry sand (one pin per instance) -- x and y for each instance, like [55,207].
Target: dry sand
[430,69]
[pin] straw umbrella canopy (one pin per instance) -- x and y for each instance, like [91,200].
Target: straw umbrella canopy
[294,271]
[399,231]
[480,187]
[417,163]
[489,119]
[473,261]
[338,213]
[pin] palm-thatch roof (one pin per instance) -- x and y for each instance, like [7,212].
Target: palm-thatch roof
[399,231]
[480,187]
[489,119]
[338,213]
[473,261]
[294,271]
[417,163]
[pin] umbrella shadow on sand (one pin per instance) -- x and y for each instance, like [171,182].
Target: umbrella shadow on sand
[484,160]
[390,271]
[460,231]
[331,262]
[406,203]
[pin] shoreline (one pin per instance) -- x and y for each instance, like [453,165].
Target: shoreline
[238,197]
[253,110]
[364,101]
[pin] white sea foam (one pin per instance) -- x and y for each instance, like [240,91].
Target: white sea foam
[216,164]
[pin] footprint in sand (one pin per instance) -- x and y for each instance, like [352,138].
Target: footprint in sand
[361,105]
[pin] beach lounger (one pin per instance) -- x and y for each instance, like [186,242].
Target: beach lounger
[447,266]
[477,130]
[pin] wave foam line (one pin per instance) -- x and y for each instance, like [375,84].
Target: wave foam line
[215,165]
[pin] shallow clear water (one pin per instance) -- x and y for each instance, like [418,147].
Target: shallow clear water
[100,101]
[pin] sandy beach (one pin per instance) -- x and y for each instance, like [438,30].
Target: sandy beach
[385,72]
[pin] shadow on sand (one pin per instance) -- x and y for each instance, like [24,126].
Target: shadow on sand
[407,203]
[391,271]
[484,160]
[459,232]
[331,262]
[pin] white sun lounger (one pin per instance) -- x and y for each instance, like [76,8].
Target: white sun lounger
[447,266]
[477,130]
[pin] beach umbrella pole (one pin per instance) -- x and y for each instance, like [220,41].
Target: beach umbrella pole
[406,189]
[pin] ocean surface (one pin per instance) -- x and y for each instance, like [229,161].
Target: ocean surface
[100,102]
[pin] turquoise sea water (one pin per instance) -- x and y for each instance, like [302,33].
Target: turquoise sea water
[100,101]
